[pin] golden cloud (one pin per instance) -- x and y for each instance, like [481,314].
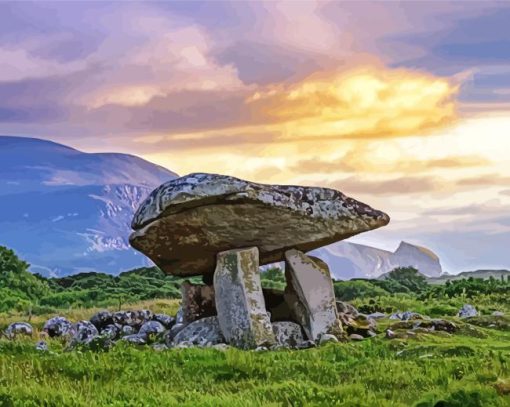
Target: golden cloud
[369,102]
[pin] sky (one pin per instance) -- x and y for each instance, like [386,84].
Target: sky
[402,105]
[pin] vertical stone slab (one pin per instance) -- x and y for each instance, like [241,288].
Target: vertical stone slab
[197,301]
[240,303]
[310,295]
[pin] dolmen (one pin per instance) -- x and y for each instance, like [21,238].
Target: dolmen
[224,228]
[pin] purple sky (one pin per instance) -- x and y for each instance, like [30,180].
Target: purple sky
[402,104]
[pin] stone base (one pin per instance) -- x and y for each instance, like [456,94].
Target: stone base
[310,296]
[197,301]
[239,300]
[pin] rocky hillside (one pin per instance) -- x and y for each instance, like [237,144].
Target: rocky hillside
[65,211]
[350,260]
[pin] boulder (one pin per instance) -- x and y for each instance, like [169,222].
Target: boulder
[376,315]
[18,328]
[240,303]
[200,332]
[132,318]
[84,332]
[467,311]
[166,320]
[111,331]
[288,334]
[406,316]
[310,296]
[326,338]
[197,301]
[102,319]
[356,337]
[151,328]
[126,330]
[58,326]
[185,222]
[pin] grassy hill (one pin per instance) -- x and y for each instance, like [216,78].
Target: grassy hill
[483,274]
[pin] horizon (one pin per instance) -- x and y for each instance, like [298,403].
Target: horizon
[396,104]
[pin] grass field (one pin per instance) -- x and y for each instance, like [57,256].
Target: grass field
[471,368]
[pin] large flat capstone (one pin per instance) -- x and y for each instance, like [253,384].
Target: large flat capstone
[185,222]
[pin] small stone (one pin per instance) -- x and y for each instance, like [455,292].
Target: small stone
[411,334]
[325,338]
[306,345]
[151,328]
[376,315]
[41,346]
[261,349]
[166,320]
[356,337]
[498,314]
[159,347]
[58,326]
[101,319]
[371,334]
[135,339]
[390,334]
[179,317]
[18,328]
[467,311]
[221,347]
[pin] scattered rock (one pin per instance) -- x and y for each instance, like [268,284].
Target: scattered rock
[135,339]
[406,316]
[390,334]
[200,332]
[185,222]
[159,347]
[467,311]
[166,320]
[58,326]
[41,346]
[240,303]
[18,328]
[325,338]
[151,328]
[346,308]
[310,294]
[288,334]
[221,347]
[356,337]
[102,319]
[376,315]
[429,324]
[498,314]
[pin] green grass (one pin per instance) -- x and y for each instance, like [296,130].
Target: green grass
[464,369]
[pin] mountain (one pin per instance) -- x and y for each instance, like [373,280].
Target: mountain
[65,211]
[350,260]
[483,274]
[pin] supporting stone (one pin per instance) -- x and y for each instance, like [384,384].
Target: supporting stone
[310,296]
[197,301]
[240,303]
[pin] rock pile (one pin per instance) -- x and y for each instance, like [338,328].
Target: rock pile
[224,228]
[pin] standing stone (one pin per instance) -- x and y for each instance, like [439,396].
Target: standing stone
[240,303]
[197,301]
[310,294]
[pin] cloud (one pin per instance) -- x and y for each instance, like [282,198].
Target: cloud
[505,192]
[394,186]
[485,180]
[359,160]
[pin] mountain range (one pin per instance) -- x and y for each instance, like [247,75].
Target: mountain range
[65,211]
